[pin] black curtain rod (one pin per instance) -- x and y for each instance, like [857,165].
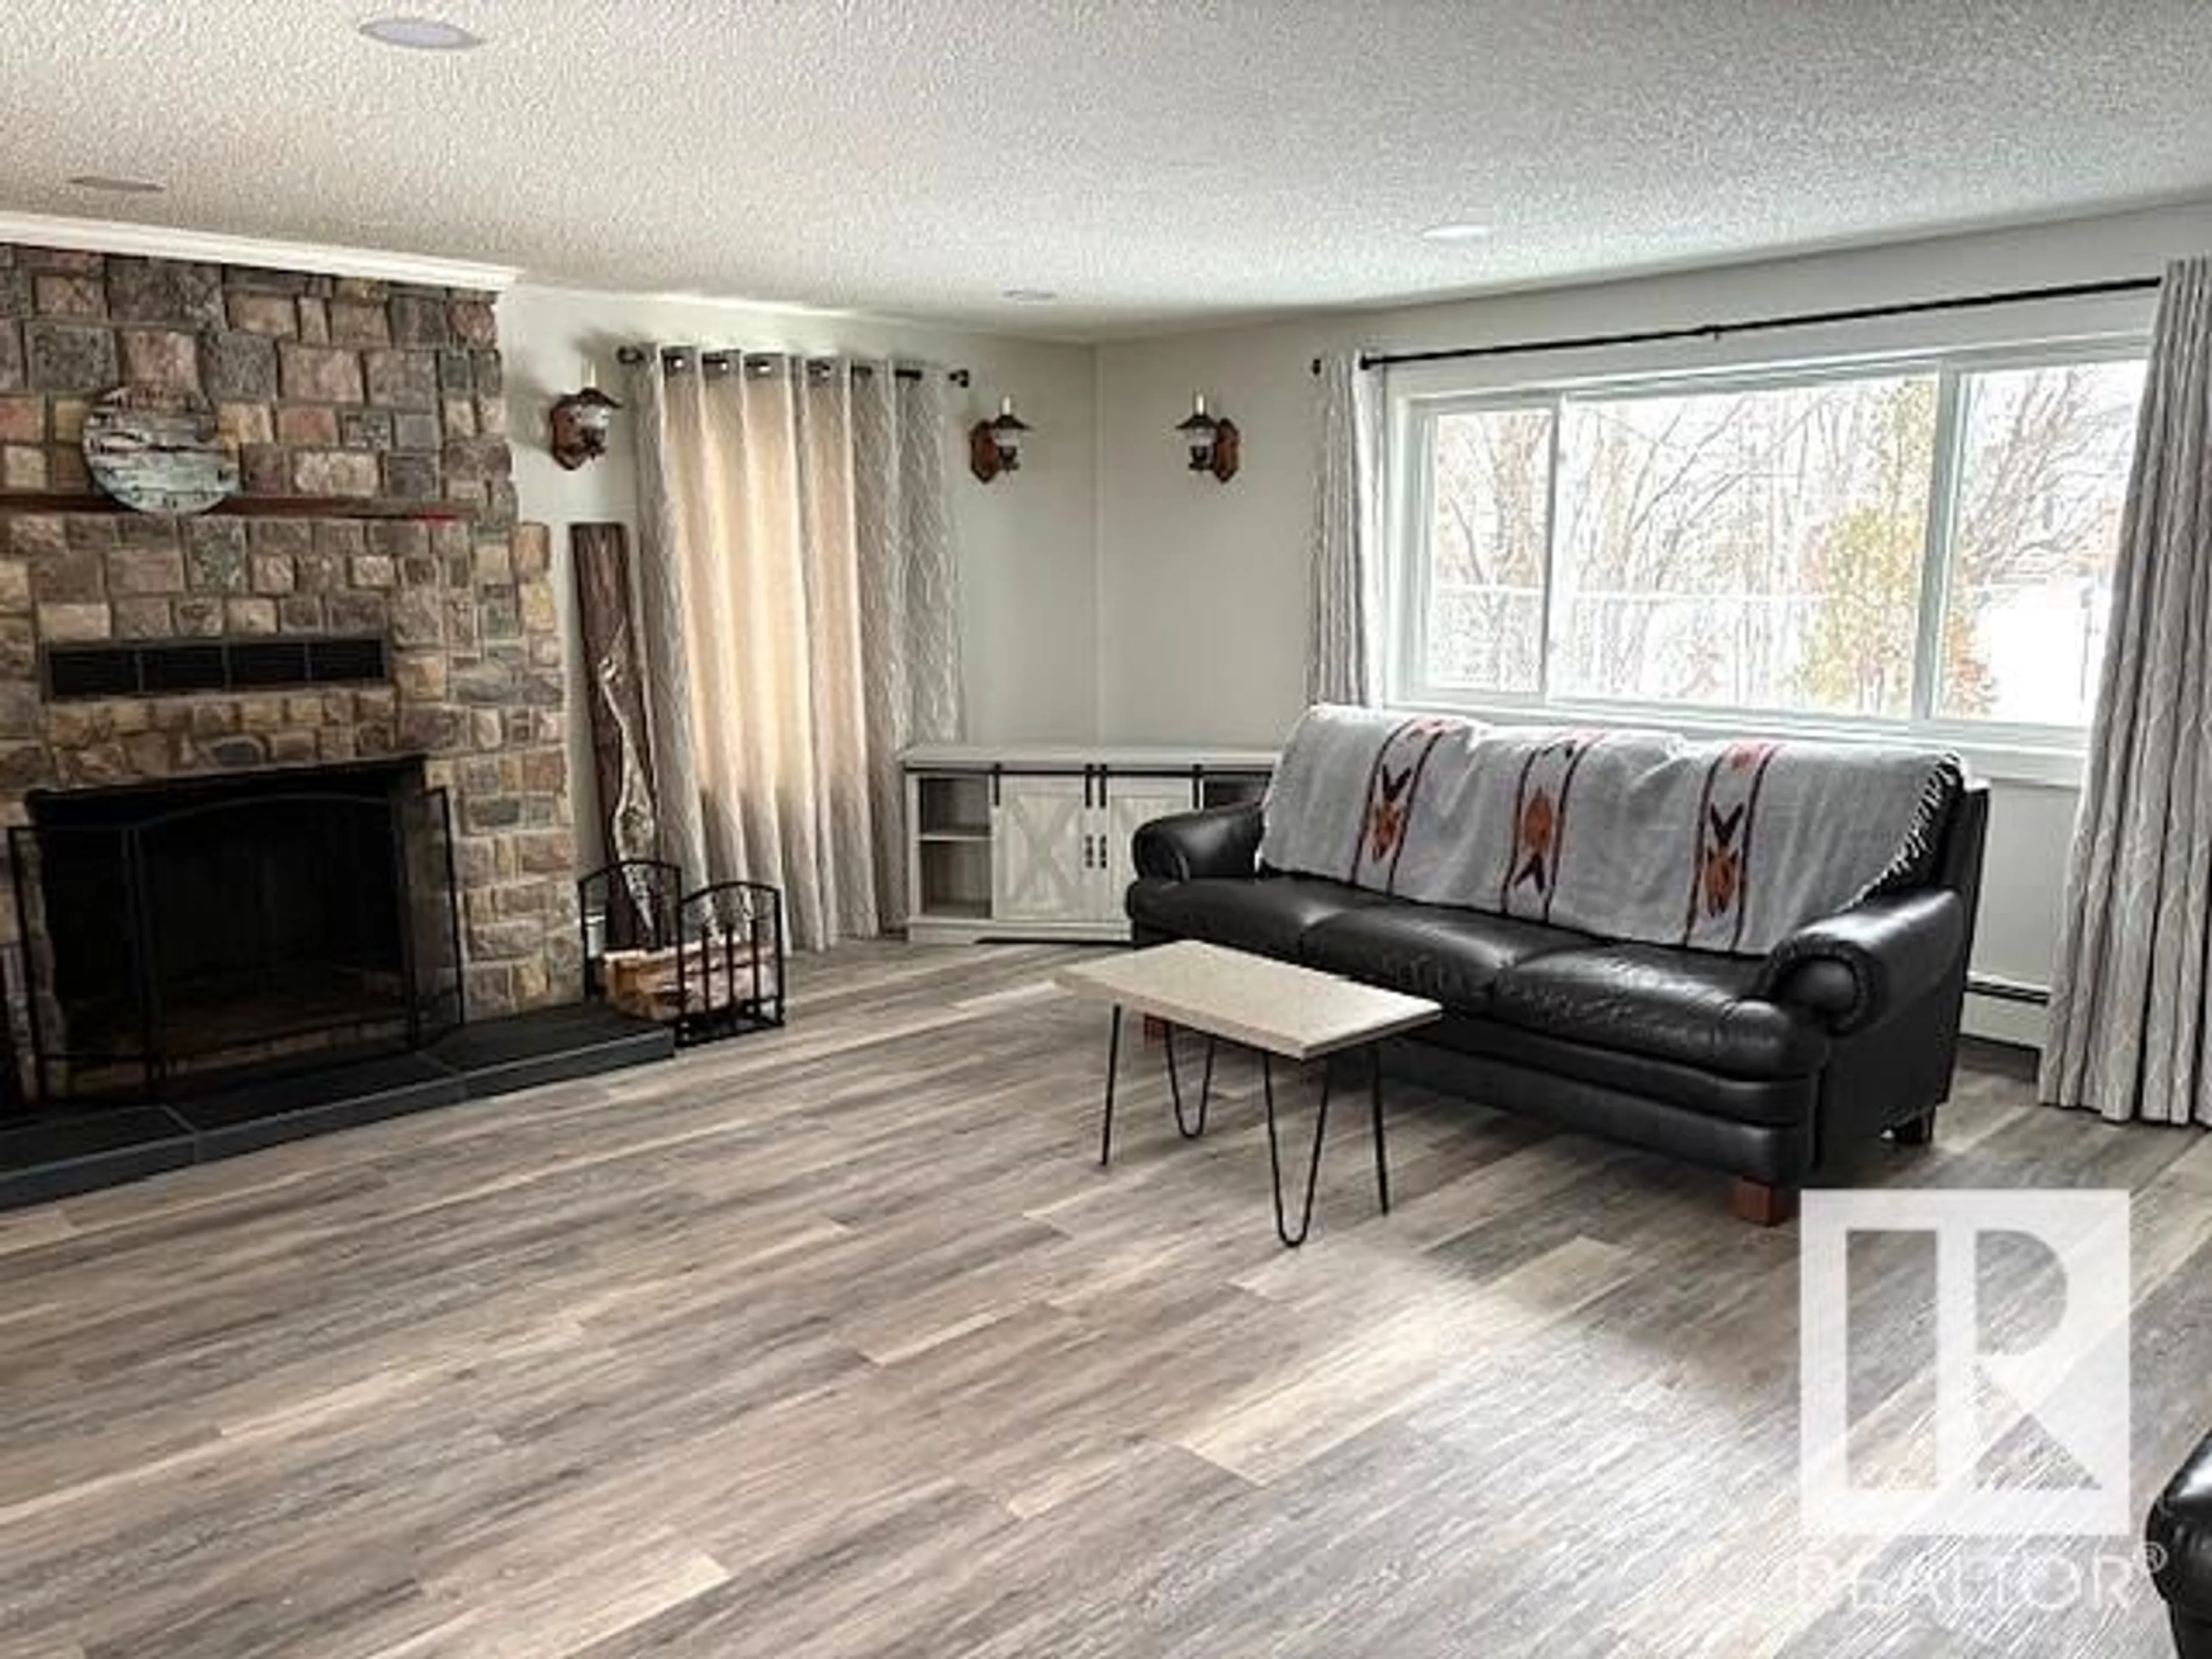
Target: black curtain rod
[1757,324]
[678,358]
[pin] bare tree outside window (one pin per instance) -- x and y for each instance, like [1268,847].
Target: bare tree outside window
[1764,546]
[1749,549]
[2043,477]
[1485,621]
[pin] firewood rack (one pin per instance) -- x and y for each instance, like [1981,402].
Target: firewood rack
[707,962]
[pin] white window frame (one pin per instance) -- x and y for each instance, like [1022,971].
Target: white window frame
[2032,753]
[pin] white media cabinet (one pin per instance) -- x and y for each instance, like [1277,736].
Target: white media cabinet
[1032,840]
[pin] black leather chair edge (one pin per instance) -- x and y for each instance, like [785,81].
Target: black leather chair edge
[2178,1536]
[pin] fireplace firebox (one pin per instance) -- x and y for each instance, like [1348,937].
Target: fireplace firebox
[176,933]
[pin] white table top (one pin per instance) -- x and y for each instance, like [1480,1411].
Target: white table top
[1298,1013]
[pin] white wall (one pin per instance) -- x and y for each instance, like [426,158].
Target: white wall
[1202,586]
[1029,624]
[1108,593]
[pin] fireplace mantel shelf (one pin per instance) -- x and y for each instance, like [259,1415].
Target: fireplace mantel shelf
[254,507]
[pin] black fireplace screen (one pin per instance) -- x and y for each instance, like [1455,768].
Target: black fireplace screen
[172,933]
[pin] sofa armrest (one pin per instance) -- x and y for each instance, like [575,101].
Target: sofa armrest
[2179,1532]
[1220,841]
[1850,970]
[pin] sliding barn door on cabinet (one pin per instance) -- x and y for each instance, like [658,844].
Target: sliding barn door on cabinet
[1040,840]
[1131,803]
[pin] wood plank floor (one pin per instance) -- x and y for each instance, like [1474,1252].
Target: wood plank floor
[836,1342]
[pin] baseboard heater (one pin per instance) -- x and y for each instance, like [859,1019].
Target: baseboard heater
[1998,989]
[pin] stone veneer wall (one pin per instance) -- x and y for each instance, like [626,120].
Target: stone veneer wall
[324,386]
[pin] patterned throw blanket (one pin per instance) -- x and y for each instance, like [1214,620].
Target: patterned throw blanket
[1723,846]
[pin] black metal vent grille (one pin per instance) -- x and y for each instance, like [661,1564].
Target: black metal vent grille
[169,666]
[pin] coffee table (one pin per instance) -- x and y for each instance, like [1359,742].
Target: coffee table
[1276,1008]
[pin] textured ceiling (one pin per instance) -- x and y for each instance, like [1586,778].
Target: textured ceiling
[1155,161]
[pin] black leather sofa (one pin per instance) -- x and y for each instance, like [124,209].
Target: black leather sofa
[2179,1534]
[1767,1068]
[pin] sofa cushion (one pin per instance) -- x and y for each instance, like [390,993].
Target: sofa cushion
[1267,915]
[1767,1129]
[1693,1006]
[1450,955]
[1535,1058]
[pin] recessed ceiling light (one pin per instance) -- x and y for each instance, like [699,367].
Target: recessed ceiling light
[1029,296]
[116,186]
[419,34]
[1457,231]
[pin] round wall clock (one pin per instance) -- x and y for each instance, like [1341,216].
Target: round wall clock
[156,451]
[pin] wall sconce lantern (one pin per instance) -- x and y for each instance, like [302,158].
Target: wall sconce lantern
[1213,443]
[580,422]
[995,445]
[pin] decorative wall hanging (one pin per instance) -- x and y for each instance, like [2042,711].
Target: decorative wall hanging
[1213,443]
[622,753]
[995,445]
[156,451]
[580,422]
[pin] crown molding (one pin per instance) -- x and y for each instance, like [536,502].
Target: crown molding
[166,242]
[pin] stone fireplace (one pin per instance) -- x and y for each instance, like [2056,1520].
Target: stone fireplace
[369,423]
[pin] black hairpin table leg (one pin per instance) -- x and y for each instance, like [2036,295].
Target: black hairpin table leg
[1191,1131]
[1112,1064]
[1175,1085]
[1274,1154]
[1374,1108]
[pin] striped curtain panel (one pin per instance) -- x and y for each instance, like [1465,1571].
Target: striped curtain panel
[2128,996]
[1343,606]
[800,619]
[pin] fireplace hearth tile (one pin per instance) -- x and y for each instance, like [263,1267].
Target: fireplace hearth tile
[551,1045]
[245,1119]
[62,1154]
[59,1153]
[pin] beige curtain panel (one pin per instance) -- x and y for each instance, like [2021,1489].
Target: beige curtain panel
[1343,605]
[2127,1015]
[800,614]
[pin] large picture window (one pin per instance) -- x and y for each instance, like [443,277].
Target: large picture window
[1926,541]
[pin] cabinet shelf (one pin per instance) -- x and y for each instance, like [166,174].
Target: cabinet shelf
[945,909]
